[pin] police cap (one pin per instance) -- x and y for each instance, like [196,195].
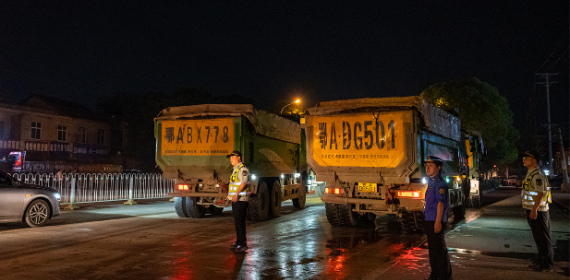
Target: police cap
[533,154]
[436,160]
[234,153]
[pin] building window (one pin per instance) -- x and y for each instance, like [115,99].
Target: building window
[100,136]
[36,130]
[82,135]
[61,133]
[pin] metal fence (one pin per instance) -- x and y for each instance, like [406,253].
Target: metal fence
[91,187]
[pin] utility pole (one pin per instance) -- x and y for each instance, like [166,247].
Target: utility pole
[565,165]
[547,84]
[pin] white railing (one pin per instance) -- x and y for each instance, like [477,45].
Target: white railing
[91,187]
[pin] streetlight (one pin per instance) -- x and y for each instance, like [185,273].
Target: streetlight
[296,101]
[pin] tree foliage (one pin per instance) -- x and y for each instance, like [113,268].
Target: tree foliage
[140,109]
[481,108]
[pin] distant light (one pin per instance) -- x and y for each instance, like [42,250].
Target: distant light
[447,179]
[546,172]
[298,100]
[282,176]
[297,175]
[253,177]
[424,181]
[458,179]
[309,182]
[495,165]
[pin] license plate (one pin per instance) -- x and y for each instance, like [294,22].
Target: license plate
[367,187]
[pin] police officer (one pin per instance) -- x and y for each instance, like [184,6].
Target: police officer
[535,198]
[437,205]
[239,195]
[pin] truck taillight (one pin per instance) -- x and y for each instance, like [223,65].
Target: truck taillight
[409,194]
[183,187]
[335,190]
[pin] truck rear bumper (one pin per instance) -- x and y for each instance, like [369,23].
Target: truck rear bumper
[375,205]
[196,194]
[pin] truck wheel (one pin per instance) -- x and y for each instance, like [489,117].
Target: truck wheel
[348,218]
[213,210]
[369,218]
[332,214]
[180,207]
[459,213]
[413,220]
[299,202]
[193,209]
[476,201]
[275,200]
[259,204]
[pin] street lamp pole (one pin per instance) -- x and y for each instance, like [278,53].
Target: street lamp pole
[296,101]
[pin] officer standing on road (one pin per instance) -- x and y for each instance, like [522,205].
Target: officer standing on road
[240,196]
[535,198]
[437,205]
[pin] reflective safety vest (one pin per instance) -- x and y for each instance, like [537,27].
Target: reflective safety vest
[529,192]
[235,183]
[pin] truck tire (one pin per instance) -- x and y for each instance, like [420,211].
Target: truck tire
[348,218]
[332,214]
[213,210]
[476,201]
[299,202]
[259,204]
[193,209]
[413,220]
[459,213]
[368,219]
[275,199]
[180,207]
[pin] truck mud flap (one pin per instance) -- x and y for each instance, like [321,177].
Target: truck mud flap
[259,204]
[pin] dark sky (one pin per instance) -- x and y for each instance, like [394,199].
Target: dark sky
[277,50]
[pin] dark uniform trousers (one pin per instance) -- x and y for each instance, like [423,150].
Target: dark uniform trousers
[438,256]
[540,228]
[239,210]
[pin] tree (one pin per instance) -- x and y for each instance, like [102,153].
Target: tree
[481,108]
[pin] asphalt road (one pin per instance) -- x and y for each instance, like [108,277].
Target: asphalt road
[148,241]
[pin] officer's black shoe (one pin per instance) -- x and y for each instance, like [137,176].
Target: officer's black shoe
[233,246]
[540,268]
[240,249]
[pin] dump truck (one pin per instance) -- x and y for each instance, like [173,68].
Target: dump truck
[371,154]
[193,141]
[476,152]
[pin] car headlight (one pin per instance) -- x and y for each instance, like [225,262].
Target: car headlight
[57,196]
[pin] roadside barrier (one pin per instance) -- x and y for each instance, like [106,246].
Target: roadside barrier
[90,187]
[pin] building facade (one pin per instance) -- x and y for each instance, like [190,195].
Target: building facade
[54,130]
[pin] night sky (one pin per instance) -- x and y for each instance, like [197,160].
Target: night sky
[279,50]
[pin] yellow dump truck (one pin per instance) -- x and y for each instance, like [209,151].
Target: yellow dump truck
[371,153]
[191,146]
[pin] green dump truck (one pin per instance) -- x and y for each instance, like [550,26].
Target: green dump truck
[371,153]
[191,146]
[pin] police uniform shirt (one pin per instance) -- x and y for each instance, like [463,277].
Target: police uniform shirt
[538,181]
[436,192]
[241,176]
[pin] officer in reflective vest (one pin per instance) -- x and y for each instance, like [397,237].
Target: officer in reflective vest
[437,205]
[535,198]
[239,194]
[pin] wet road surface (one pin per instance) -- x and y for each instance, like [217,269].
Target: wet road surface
[149,241]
